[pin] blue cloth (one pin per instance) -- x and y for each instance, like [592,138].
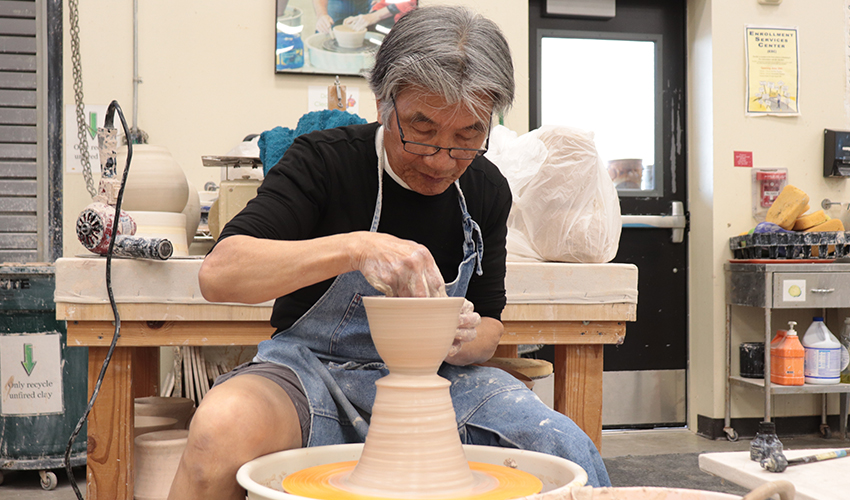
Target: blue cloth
[274,143]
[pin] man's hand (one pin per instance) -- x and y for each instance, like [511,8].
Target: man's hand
[324,24]
[397,267]
[362,21]
[467,327]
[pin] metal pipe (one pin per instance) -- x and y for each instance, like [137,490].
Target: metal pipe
[136,79]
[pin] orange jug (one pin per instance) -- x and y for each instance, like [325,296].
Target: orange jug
[780,334]
[787,358]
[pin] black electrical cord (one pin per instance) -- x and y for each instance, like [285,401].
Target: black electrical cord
[113,107]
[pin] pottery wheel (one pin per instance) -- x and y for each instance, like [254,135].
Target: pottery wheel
[492,482]
[412,449]
[332,45]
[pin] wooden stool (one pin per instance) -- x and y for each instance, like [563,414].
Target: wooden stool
[525,369]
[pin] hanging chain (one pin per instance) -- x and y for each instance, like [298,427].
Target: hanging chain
[82,126]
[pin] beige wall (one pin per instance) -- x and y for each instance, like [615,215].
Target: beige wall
[208,77]
[208,81]
[719,194]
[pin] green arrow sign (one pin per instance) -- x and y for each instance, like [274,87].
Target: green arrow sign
[93,125]
[28,363]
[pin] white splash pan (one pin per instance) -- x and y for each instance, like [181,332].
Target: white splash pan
[262,477]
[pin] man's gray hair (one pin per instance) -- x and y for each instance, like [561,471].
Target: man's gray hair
[449,51]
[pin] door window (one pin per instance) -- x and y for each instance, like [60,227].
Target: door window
[609,86]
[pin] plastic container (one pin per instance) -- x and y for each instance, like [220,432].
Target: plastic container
[289,52]
[845,354]
[752,359]
[787,359]
[823,354]
[780,334]
[765,442]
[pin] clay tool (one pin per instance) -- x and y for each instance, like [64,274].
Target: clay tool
[777,462]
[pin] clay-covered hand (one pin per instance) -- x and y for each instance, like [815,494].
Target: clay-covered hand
[360,22]
[467,327]
[324,24]
[397,267]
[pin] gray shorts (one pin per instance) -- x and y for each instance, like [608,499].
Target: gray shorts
[286,379]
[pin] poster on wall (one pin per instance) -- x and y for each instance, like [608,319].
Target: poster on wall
[338,37]
[773,71]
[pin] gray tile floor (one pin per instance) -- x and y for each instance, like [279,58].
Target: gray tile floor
[668,441]
[24,485]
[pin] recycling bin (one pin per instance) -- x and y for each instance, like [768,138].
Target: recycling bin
[43,382]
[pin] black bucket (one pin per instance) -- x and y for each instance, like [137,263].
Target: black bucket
[752,359]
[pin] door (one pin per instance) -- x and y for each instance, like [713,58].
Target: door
[622,77]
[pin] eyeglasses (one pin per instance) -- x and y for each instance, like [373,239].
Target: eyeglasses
[422,149]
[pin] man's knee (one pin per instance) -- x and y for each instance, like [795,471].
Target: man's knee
[243,420]
[221,422]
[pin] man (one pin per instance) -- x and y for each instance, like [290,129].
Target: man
[406,206]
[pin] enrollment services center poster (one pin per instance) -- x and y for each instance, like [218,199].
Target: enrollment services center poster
[773,71]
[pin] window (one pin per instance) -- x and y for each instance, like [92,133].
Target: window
[609,85]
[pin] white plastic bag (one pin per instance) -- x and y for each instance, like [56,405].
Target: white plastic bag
[566,208]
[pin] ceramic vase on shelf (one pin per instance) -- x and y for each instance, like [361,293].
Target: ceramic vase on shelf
[157,456]
[156,183]
[192,211]
[181,409]
[168,225]
[144,424]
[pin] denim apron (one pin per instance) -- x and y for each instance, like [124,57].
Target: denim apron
[331,351]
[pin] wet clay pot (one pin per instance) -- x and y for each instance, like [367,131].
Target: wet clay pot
[413,438]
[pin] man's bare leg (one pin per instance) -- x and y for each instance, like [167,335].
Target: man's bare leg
[243,418]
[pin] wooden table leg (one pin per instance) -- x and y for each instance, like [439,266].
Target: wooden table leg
[578,386]
[145,371]
[109,459]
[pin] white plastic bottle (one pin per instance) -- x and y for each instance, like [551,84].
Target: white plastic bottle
[845,355]
[823,354]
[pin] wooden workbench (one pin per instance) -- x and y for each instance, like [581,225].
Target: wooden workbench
[578,332]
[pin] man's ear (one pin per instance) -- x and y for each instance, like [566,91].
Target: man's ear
[378,107]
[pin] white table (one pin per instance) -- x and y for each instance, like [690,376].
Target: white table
[827,480]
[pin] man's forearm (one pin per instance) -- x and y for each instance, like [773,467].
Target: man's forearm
[252,270]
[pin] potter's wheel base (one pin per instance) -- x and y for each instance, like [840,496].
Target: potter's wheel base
[491,482]
[262,477]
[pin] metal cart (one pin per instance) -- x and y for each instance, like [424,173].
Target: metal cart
[767,285]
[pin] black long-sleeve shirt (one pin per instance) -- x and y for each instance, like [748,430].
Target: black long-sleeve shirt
[327,184]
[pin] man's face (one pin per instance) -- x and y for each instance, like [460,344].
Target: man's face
[427,118]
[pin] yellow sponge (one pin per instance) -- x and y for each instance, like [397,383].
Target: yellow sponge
[790,203]
[830,225]
[804,222]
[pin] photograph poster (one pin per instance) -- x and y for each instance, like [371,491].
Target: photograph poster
[773,71]
[338,37]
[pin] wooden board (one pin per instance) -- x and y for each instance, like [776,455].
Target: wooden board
[110,427]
